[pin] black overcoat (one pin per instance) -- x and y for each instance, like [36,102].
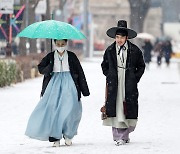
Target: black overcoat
[135,67]
[46,65]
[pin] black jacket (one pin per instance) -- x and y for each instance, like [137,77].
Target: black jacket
[46,67]
[134,70]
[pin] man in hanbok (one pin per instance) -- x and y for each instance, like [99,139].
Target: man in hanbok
[123,65]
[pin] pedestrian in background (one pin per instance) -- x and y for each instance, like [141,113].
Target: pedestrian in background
[158,50]
[8,50]
[167,49]
[58,113]
[123,65]
[147,48]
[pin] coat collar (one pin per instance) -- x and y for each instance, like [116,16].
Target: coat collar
[112,49]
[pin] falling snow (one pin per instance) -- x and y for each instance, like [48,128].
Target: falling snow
[157,129]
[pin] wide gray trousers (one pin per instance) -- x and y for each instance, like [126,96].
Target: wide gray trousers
[121,133]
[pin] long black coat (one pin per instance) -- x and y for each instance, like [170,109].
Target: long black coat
[135,67]
[46,67]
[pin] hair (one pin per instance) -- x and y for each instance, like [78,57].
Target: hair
[122,32]
[62,39]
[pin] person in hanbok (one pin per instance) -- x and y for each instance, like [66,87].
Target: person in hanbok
[58,113]
[123,65]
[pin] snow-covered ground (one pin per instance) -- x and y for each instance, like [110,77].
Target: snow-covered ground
[158,129]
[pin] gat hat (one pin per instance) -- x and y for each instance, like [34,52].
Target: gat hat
[121,26]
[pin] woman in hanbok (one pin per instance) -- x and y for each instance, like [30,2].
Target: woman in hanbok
[58,113]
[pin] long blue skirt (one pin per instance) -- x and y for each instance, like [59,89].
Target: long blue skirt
[58,112]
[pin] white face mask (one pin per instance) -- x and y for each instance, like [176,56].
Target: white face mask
[61,49]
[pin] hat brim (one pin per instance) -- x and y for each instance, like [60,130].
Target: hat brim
[112,32]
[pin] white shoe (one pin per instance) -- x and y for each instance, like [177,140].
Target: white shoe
[56,144]
[120,142]
[68,141]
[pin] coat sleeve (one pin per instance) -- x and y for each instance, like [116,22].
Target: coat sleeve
[82,79]
[105,64]
[45,66]
[140,66]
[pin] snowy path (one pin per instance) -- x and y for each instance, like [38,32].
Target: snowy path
[157,130]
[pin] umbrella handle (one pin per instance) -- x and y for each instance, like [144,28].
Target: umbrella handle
[51,46]
[52,17]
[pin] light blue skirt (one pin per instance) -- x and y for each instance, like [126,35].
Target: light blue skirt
[58,112]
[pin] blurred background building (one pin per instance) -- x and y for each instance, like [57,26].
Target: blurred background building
[162,19]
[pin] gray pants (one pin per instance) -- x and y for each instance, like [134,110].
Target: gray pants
[121,133]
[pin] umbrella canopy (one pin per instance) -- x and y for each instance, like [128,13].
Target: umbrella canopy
[145,36]
[51,29]
[164,38]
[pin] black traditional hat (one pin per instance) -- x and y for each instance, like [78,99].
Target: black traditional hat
[122,25]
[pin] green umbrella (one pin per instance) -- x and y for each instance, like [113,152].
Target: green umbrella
[51,29]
